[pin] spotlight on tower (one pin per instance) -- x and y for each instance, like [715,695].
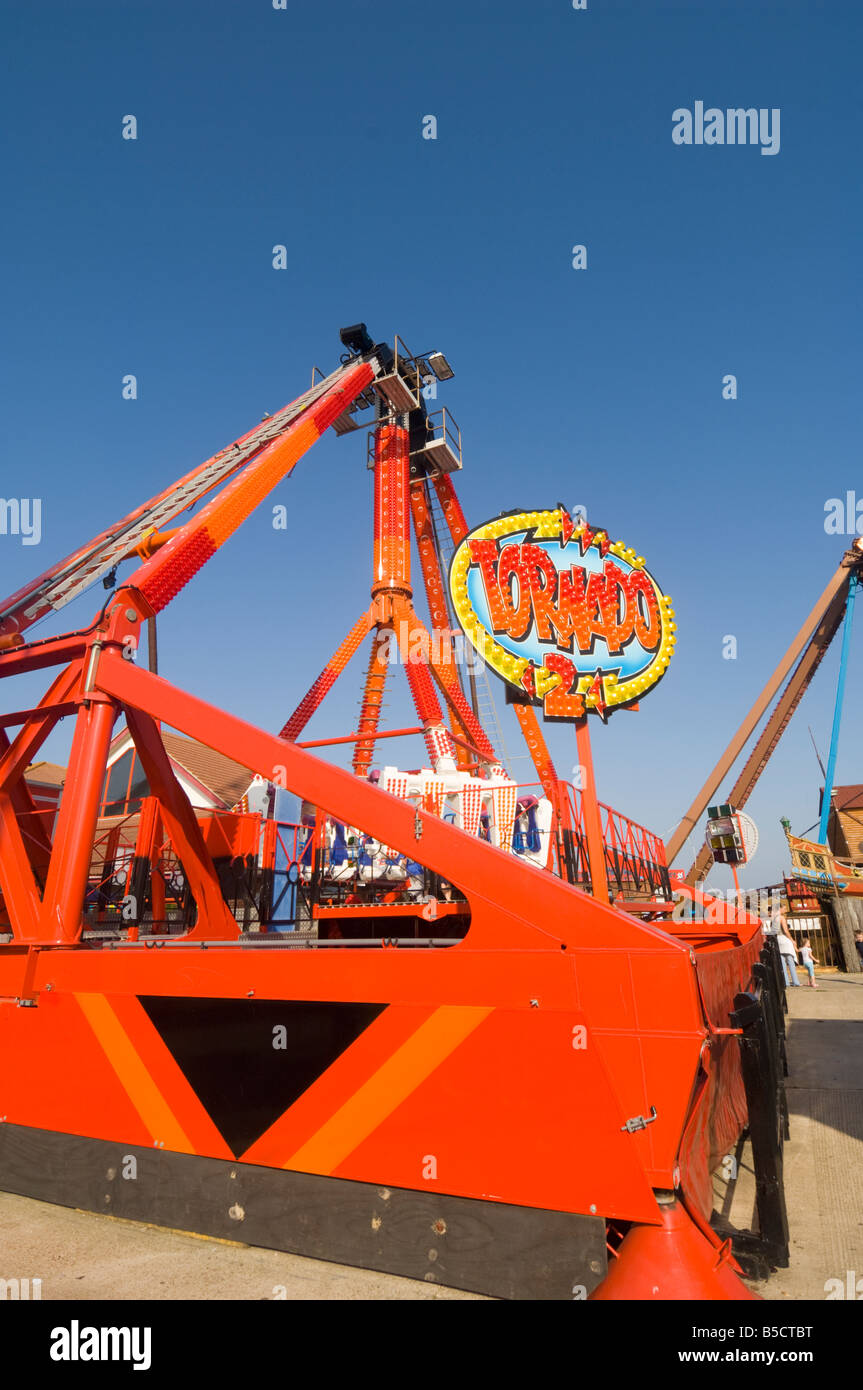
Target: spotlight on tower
[357,338]
[439,365]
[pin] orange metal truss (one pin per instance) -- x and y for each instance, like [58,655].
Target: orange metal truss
[519,1057]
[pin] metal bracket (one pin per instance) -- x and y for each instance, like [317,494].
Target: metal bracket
[639,1122]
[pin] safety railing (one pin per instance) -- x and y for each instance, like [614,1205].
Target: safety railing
[137,879]
[443,444]
[111,865]
[635,858]
[276,875]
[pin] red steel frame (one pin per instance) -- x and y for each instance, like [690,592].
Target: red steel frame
[426,658]
[489,1075]
[598,937]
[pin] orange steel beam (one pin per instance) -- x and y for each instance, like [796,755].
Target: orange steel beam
[451,507]
[471,748]
[35,656]
[448,682]
[388,733]
[432,577]
[438,739]
[157,883]
[392,610]
[353,738]
[17,880]
[442,666]
[391,569]
[391,586]
[778,721]
[63,899]
[17,755]
[14,758]
[509,899]
[23,716]
[835,591]
[215,920]
[391,551]
[146,853]
[150,542]
[161,578]
[294,726]
[591,813]
[435,589]
[537,747]
[64,866]
[458,529]
[373,695]
[33,828]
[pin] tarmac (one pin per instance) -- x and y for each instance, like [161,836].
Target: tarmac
[823,1160]
[81,1256]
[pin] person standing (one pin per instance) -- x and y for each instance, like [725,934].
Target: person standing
[778,920]
[809,961]
[788,956]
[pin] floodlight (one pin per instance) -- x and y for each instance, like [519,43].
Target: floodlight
[357,338]
[439,365]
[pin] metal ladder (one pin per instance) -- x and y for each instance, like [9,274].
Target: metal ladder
[84,567]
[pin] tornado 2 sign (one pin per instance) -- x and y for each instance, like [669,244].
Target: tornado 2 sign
[569,618]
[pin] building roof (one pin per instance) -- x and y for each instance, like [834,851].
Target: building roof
[46,774]
[224,778]
[848,798]
[221,775]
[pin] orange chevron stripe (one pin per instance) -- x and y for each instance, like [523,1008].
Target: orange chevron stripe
[134,1077]
[334,1087]
[391,1084]
[176,1090]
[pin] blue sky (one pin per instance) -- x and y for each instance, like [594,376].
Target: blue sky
[601,387]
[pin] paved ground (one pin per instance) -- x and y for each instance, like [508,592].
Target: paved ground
[824,1157]
[80,1256]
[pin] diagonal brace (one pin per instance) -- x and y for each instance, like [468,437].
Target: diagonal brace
[215,920]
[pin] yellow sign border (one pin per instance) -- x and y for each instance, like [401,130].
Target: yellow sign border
[548,525]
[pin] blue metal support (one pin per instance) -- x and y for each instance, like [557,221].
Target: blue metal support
[837,712]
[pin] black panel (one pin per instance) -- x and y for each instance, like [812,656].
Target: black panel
[487,1247]
[224,1047]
